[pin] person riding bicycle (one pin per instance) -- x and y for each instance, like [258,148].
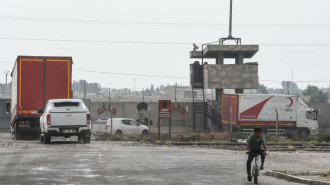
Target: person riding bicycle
[254,142]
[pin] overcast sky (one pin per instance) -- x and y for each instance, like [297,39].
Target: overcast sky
[154,37]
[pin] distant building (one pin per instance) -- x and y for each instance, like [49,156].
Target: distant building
[124,91]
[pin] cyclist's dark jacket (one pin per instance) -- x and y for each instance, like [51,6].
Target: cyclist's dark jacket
[256,144]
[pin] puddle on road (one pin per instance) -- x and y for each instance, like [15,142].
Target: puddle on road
[41,168]
[91,176]
[84,170]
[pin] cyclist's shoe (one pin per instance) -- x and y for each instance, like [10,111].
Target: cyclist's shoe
[261,167]
[249,178]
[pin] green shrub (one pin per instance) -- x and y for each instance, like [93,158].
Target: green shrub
[324,138]
[238,135]
[168,143]
[190,137]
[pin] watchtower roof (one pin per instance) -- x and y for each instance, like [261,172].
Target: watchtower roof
[229,51]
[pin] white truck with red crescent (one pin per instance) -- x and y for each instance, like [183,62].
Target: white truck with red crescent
[246,111]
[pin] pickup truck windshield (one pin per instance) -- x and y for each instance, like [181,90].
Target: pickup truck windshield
[66,104]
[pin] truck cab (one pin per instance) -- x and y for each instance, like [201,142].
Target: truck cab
[307,119]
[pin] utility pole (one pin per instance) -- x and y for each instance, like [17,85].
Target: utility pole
[175,92]
[276,123]
[111,118]
[109,95]
[149,122]
[85,90]
[287,86]
[143,94]
[6,72]
[231,120]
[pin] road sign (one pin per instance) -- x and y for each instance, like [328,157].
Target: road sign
[164,109]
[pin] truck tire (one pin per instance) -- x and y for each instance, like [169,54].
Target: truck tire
[145,133]
[41,138]
[12,134]
[16,135]
[80,138]
[119,133]
[304,132]
[47,139]
[87,139]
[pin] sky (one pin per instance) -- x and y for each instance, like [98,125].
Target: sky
[132,44]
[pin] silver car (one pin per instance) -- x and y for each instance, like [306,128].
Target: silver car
[120,127]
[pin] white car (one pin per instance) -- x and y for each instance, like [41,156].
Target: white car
[65,117]
[120,127]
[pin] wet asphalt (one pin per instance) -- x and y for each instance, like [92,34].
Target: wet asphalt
[66,161]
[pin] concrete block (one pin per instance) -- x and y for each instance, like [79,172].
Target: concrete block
[220,136]
[282,175]
[323,183]
[155,136]
[176,137]
[308,181]
[289,177]
[276,174]
[299,180]
[315,173]
[206,136]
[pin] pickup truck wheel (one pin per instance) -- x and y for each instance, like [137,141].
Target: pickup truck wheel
[80,138]
[119,133]
[47,139]
[15,134]
[304,132]
[87,139]
[41,138]
[145,133]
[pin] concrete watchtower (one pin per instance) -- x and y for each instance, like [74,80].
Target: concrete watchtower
[222,76]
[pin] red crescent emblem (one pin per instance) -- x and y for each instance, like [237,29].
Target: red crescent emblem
[291,101]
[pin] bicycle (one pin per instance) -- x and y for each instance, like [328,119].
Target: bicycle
[255,169]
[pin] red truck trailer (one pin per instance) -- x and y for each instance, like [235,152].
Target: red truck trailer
[246,111]
[35,80]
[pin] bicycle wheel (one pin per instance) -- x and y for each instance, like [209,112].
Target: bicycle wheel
[255,177]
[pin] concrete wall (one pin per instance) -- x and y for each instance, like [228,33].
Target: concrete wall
[182,121]
[231,76]
[4,116]
[324,117]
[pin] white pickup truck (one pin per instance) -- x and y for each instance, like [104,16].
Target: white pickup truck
[65,117]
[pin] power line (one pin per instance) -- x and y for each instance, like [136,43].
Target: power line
[144,50]
[298,81]
[129,74]
[7,62]
[158,76]
[98,41]
[99,49]
[157,23]
[152,42]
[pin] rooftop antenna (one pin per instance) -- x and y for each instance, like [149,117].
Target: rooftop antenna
[230,19]
[230,37]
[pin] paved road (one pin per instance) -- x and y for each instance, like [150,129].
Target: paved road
[69,162]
